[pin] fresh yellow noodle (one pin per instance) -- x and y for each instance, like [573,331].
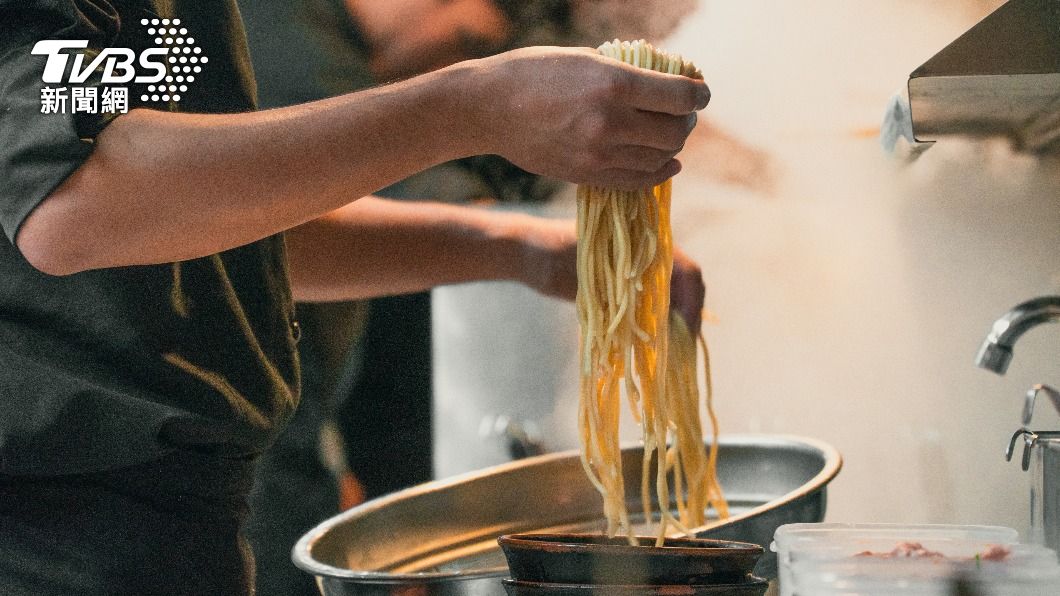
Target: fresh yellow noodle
[625,257]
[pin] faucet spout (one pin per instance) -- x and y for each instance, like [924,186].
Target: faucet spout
[996,352]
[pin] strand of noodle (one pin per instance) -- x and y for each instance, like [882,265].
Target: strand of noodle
[622,297]
[586,273]
[645,472]
[717,498]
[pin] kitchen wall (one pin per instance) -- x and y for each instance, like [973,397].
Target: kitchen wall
[851,291]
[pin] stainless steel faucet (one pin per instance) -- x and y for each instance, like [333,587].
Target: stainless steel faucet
[996,351]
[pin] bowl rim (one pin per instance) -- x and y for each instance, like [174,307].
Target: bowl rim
[751,580]
[568,543]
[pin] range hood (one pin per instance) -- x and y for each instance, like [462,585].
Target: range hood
[1000,78]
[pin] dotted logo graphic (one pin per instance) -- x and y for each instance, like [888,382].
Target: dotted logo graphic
[184,59]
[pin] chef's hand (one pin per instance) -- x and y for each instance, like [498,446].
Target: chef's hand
[573,114]
[550,266]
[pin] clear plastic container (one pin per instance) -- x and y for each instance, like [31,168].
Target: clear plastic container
[1029,571]
[821,543]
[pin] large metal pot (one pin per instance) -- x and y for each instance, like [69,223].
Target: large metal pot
[440,538]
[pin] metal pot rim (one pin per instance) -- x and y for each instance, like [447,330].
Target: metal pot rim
[303,559]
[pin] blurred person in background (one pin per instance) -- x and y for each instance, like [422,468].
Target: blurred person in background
[362,429]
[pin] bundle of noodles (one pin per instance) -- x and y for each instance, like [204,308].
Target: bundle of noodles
[625,257]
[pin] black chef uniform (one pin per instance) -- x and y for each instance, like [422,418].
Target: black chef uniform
[133,400]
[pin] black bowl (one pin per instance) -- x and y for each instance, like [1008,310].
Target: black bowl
[750,587]
[595,559]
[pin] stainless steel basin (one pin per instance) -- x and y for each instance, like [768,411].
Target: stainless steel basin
[440,538]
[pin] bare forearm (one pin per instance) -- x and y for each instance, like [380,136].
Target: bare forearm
[163,187]
[378,247]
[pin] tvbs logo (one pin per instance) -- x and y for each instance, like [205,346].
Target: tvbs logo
[174,54]
[166,69]
[120,65]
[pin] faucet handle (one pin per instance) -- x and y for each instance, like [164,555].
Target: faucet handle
[1030,439]
[1010,450]
[1032,394]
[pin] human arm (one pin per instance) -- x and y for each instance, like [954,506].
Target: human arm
[377,247]
[161,187]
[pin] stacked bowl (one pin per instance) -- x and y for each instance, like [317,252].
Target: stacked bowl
[593,565]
